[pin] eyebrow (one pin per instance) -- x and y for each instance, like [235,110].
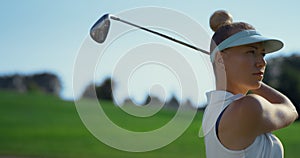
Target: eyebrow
[256,48]
[253,47]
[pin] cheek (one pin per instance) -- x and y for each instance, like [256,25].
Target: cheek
[238,67]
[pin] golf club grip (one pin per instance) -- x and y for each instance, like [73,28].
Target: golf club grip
[160,34]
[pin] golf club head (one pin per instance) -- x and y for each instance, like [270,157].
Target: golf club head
[100,29]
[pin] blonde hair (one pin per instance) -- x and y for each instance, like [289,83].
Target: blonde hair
[221,22]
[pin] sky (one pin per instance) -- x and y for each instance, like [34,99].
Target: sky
[38,36]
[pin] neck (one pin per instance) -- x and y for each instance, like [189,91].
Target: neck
[232,88]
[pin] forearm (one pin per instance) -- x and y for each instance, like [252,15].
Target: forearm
[271,94]
[278,99]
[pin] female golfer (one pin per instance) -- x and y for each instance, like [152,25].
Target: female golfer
[238,124]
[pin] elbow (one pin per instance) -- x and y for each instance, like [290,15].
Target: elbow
[296,115]
[294,112]
[287,118]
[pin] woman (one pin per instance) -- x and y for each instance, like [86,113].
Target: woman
[237,124]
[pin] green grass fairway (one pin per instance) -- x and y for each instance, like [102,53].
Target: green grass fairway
[39,125]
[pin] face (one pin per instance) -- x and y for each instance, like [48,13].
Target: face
[244,67]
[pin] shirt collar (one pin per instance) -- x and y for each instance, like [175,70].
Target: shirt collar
[217,96]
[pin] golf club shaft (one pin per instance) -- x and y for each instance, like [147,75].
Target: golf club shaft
[160,34]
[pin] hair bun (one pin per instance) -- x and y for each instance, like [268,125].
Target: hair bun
[219,18]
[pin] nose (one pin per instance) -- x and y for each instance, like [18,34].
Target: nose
[261,62]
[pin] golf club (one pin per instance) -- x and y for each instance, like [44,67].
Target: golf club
[100,29]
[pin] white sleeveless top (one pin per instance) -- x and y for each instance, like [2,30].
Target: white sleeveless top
[265,146]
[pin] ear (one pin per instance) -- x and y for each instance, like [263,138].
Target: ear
[219,60]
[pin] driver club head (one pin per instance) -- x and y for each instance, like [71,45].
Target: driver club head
[100,29]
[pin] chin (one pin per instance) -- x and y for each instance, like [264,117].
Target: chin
[256,85]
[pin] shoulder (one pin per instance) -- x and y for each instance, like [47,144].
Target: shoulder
[241,122]
[248,113]
[249,104]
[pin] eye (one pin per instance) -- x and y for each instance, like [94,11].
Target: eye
[250,52]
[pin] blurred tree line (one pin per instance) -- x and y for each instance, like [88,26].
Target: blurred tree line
[103,91]
[40,82]
[282,73]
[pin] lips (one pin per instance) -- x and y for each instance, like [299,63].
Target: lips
[259,73]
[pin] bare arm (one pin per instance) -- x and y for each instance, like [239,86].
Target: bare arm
[273,109]
[273,96]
